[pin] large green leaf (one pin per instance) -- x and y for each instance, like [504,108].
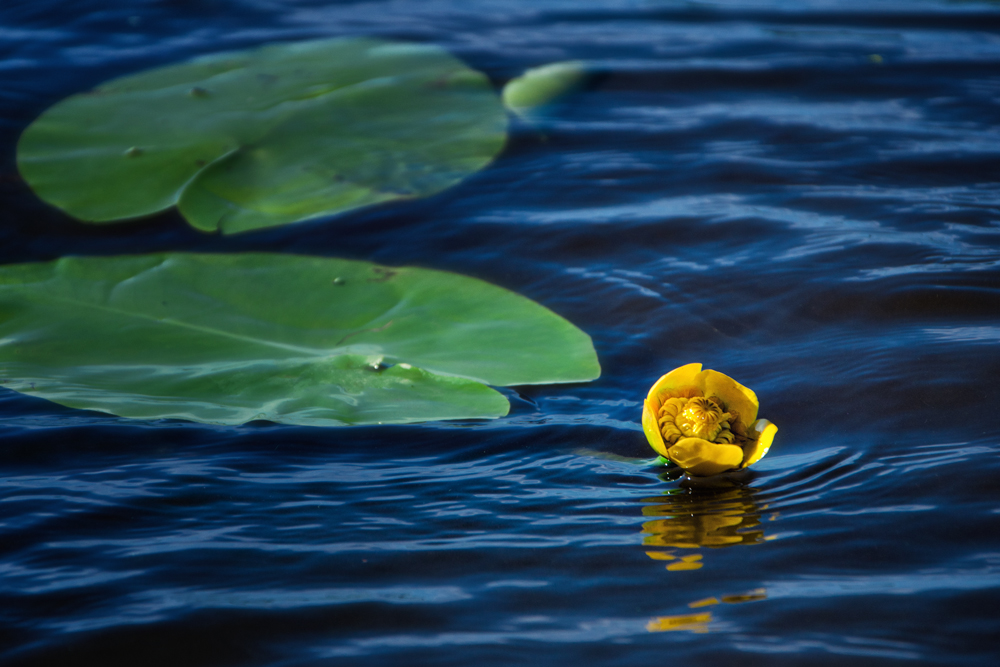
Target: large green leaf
[293,339]
[275,135]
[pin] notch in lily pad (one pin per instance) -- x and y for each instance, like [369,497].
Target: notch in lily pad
[270,136]
[229,338]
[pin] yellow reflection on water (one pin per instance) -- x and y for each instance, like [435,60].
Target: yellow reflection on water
[694,518]
[689,622]
[707,602]
[699,622]
[715,515]
[751,596]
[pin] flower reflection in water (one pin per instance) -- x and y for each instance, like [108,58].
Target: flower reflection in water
[720,514]
[691,622]
[690,518]
[698,622]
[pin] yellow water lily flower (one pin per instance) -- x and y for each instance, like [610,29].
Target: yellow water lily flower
[705,422]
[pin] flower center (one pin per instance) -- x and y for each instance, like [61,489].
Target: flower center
[695,416]
[700,419]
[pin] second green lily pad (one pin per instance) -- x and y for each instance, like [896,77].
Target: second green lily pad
[227,338]
[252,139]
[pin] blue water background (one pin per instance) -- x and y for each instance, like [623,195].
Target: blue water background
[803,195]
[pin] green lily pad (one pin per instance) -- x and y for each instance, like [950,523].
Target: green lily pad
[266,137]
[291,339]
[542,86]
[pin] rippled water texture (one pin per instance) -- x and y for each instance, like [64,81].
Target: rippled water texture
[801,195]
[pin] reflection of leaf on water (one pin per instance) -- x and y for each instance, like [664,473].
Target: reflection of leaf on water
[693,518]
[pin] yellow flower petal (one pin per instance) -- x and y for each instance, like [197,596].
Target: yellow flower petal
[702,458]
[652,429]
[685,376]
[756,450]
[736,396]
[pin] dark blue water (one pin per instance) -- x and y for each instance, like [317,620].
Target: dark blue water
[801,195]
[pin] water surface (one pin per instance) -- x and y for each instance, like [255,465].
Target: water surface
[801,195]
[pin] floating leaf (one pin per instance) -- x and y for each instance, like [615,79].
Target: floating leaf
[292,339]
[543,85]
[253,139]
